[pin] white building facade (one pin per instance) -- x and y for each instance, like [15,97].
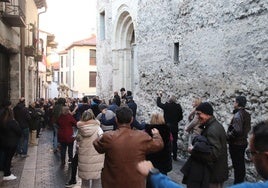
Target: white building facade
[78,70]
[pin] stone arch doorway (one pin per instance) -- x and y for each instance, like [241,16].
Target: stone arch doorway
[124,52]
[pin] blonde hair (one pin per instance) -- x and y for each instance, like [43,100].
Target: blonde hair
[197,101]
[87,115]
[157,118]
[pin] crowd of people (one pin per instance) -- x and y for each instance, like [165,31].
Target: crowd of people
[104,141]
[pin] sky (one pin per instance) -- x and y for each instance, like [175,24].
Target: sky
[69,20]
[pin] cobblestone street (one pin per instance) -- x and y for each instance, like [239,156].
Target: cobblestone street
[42,168]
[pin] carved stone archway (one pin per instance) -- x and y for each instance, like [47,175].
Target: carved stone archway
[124,52]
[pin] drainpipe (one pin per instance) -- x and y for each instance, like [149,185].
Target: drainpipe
[22,60]
[37,69]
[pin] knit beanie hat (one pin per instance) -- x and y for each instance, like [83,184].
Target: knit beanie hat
[241,101]
[205,108]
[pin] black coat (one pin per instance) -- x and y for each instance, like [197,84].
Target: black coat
[196,169]
[10,134]
[133,106]
[22,115]
[161,159]
[172,112]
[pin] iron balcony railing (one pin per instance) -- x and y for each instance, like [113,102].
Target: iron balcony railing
[13,15]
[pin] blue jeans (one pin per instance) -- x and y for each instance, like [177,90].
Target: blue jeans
[23,143]
[55,136]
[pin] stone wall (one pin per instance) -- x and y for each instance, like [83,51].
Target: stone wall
[223,52]
[223,49]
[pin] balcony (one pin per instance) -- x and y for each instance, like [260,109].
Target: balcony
[40,3]
[38,57]
[29,51]
[13,16]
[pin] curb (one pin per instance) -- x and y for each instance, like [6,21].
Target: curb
[29,169]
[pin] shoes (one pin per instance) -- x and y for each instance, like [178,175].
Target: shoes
[10,177]
[175,158]
[24,155]
[69,161]
[70,184]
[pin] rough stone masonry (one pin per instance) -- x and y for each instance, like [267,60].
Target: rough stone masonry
[214,49]
[223,52]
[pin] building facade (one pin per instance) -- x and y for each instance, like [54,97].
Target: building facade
[77,69]
[212,49]
[19,48]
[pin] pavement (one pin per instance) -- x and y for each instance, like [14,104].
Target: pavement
[42,169]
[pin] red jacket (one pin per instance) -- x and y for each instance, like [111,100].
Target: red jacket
[65,131]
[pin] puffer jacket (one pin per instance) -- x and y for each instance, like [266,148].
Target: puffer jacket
[90,162]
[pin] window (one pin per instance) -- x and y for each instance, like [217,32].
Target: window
[66,62]
[92,78]
[73,56]
[56,76]
[92,57]
[102,25]
[61,77]
[66,77]
[176,52]
[73,79]
[61,61]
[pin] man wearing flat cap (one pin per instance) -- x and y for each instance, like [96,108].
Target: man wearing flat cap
[237,135]
[216,136]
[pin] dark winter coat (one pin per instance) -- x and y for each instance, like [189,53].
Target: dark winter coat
[10,134]
[81,108]
[95,106]
[118,100]
[36,117]
[133,106]
[22,115]
[161,159]
[172,112]
[196,169]
[217,160]
[237,132]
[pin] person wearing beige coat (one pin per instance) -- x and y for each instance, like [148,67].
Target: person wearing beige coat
[90,162]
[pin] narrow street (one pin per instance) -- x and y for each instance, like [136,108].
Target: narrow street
[42,168]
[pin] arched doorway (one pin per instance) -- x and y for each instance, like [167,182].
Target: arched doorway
[124,52]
